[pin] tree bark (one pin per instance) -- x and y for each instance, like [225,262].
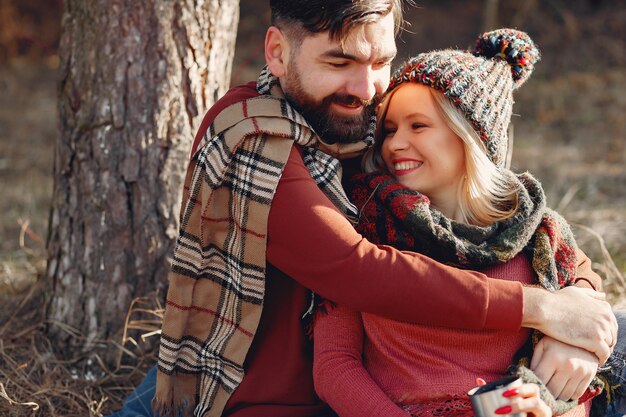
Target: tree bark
[136,77]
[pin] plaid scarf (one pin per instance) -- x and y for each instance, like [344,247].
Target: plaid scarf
[217,278]
[394,215]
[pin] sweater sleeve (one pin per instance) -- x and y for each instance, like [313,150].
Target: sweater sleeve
[312,242]
[585,277]
[340,378]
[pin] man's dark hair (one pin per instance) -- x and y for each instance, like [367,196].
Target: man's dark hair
[335,16]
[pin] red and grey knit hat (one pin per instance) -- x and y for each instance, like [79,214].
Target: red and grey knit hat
[479,82]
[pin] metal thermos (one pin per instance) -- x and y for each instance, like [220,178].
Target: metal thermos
[488,398]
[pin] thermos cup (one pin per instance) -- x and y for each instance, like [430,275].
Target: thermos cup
[488,398]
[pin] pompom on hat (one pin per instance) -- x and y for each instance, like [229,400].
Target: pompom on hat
[479,82]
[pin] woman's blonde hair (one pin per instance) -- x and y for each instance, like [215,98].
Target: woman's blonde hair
[486,194]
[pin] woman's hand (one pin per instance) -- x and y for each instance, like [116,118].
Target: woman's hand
[525,399]
[566,370]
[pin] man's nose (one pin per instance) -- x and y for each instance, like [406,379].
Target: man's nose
[365,83]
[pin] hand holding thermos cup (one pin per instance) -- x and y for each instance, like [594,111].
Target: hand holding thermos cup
[508,396]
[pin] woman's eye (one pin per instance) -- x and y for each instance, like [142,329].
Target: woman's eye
[417,126]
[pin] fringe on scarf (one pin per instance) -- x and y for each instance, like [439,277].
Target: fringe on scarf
[173,400]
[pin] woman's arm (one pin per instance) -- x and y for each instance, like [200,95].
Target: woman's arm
[566,370]
[338,372]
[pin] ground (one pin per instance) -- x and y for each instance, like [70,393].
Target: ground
[570,132]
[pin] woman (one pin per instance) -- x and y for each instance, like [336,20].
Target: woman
[436,184]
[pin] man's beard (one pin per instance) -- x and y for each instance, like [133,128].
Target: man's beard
[331,126]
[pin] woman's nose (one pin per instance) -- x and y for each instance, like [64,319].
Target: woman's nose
[397,141]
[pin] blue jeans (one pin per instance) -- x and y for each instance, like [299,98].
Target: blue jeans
[617,361]
[138,403]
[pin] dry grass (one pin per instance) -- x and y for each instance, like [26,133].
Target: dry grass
[36,381]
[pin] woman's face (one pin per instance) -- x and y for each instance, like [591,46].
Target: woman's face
[419,148]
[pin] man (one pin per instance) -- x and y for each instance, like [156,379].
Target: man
[264,221]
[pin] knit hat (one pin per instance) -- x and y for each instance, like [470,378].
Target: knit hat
[480,83]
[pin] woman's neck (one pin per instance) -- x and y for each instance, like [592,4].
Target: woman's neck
[448,206]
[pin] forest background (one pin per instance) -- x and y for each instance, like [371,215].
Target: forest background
[570,129]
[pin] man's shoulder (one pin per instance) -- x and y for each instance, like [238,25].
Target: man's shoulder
[234,95]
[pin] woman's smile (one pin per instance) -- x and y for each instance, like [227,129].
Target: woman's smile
[404,166]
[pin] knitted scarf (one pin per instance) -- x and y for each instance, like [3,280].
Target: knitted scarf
[394,215]
[217,278]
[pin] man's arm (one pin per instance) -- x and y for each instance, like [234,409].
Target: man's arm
[313,243]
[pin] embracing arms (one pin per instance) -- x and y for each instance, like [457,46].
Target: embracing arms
[586,322]
[567,370]
[313,243]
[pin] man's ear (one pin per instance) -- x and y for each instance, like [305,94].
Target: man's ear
[276,51]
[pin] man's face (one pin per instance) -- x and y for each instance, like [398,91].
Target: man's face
[337,85]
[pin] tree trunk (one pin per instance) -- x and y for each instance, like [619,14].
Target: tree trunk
[136,77]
